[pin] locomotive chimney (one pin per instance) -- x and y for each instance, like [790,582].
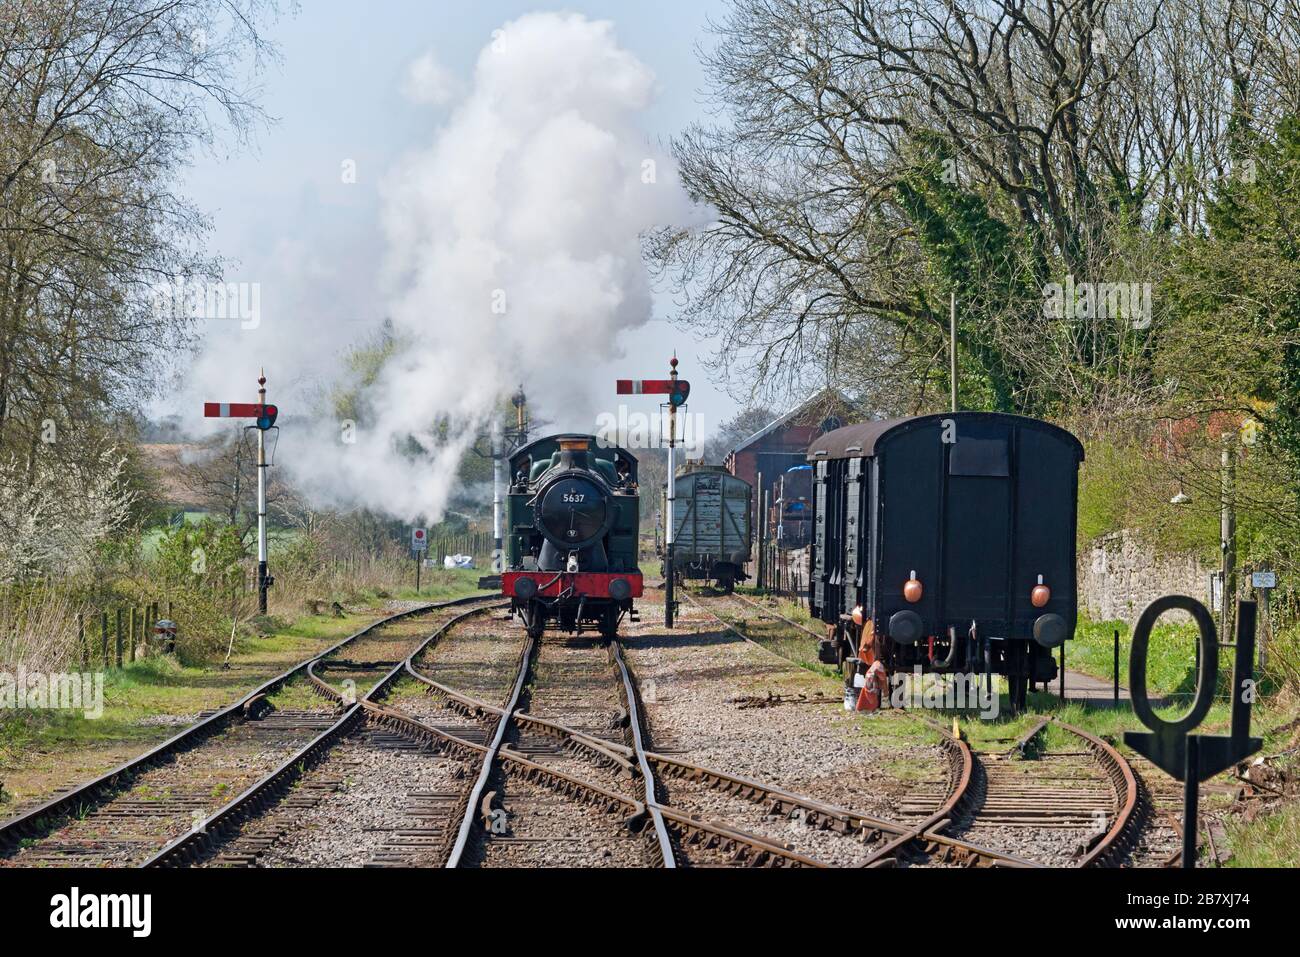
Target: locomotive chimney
[573,453]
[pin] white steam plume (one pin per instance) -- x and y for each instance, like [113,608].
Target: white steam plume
[513,256]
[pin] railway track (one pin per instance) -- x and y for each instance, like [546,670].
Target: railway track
[1082,805]
[531,825]
[376,788]
[594,756]
[539,754]
[126,816]
[405,779]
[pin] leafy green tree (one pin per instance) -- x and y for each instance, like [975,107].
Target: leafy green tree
[1234,344]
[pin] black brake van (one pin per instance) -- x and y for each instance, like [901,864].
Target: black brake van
[949,540]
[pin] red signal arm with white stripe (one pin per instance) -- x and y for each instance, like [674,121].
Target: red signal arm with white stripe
[231,410]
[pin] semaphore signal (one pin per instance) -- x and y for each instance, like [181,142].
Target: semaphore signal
[677,390]
[265,416]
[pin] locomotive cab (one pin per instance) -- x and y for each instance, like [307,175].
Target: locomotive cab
[573,517]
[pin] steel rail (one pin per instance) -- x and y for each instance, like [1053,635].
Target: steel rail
[477,709]
[1123,781]
[844,820]
[571,786]
[190,846]
[959,756]
[476,792]
[694,830]
[767,611]
[99,790]
[962,765]
[607,752]
[1117,768]
[638,746]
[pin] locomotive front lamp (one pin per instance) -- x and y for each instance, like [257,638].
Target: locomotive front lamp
[912,589]
[1041,594]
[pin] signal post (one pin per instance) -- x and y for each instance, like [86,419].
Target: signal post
[677,391]
[265,416]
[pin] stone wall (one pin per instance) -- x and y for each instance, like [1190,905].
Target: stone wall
[1119,577]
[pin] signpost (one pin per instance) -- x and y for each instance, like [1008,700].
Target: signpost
[677,390]
[1263,582]
[1192,758]
[265,416]
[419,548]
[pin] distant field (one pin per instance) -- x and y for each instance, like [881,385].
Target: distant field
[274,536]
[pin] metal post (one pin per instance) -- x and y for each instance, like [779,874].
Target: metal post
[498,465]
[952,346]
[262,578]
[418,563]
[1116,696]
[1191,794]
[669,517]
[1262,594]
[1228,531]
[1062,688]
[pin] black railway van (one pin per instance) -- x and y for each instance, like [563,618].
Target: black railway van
[948,542]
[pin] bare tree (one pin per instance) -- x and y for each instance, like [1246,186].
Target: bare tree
[101,102]
[876,158]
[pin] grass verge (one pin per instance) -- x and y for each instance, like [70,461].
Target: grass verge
[149,701]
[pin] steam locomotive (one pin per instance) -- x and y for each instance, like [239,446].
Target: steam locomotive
[945,542]
[572,521]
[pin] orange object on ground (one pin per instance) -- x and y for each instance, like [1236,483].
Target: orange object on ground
[875,687]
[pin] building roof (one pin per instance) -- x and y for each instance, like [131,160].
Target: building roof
[824,397]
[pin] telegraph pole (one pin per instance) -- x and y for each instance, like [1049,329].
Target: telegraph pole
[1228,530]
[503,443]
[952,346]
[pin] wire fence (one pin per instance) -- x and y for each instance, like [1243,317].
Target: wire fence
[120,635]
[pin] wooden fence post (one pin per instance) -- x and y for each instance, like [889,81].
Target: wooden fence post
[103,637]
[118,635]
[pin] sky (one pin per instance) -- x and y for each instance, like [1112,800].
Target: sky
[318,248]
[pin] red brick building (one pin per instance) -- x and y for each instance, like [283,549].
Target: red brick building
[783,443]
